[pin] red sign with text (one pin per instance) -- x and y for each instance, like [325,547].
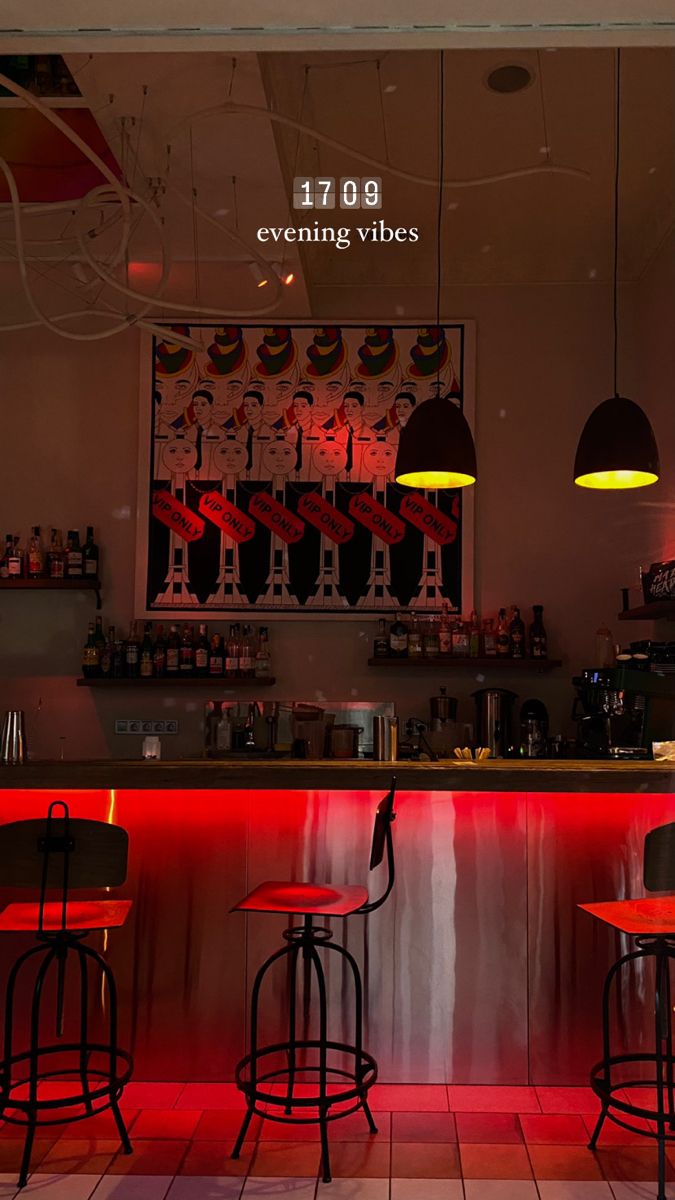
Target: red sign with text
[326,517]
[184,522]
[429,519]
[384,524]
[235,523]
[280,520]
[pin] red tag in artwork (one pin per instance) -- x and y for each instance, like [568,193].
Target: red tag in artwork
[235,523]
[425,516]
[280,520]
[325,517]
[384,524]
[184,522]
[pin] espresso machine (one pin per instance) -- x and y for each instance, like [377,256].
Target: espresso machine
[620,712]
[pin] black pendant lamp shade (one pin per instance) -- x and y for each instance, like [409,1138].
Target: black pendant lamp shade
[617,448]
[436,448]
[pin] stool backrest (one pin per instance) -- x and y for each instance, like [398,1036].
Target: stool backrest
[383,840]
[97,852]
[659,859]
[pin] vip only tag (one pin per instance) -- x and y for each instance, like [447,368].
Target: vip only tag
[184,522]
[280,520]
[235,523]
[324,516]
[384,524]
[429,519]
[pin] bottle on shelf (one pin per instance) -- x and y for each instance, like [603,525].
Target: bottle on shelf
[145,666]
[159,654]
[381,641]
[415,636]
[36,558]
[56,559]
[216,656]
[99,635]
[132,654]
[232,653]
[187,651]
[118,660]
[517,633]
[15,560]
[489,638]
[398,638]
[173,651]
[538,640]
[247,656]
[474,635]
[430,639]
[503,635]
[90,654]
[263,658]
[90,555]
[202,652]
[445,630]
[460,639]
[74,565]
[6,554]
[105,662]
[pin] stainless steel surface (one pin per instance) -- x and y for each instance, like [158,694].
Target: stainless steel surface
[385,739]
[13,748]
[494,719]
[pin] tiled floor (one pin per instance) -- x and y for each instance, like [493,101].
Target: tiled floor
[434,1143]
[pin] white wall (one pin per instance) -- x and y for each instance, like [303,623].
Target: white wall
[543,362]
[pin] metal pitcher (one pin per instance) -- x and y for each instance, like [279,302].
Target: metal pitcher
[13,749]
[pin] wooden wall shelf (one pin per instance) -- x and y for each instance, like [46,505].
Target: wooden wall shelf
[658,610]
[169,681]
[53,585]
[448,663]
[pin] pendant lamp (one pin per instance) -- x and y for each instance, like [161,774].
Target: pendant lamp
[435,448]
[617,448]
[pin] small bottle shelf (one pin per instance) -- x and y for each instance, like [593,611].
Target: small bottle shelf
[53,585]
[452,663]
[658,610]
[214,682]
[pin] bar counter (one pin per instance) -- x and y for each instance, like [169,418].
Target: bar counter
[479,969]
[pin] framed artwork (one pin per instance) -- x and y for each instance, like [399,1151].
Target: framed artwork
[266,472]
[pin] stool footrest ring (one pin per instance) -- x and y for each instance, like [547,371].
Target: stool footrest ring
[347,1085]
[617,1109]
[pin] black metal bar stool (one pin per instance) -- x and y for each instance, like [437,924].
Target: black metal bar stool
[268,1074]
[652,922]
[63,853]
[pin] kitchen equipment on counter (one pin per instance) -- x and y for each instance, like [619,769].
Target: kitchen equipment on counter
[620,708]
[443,709]
[533,729]
[278,724]
[494,719]
[13,747]
[385,739]
[344,741]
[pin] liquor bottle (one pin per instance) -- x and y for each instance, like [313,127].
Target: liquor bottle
[538,641]
[381,641]
[6,554]
[445,630]
[216,656]
[187,651]
[247,655]
[232,653]
[56,560]
[15,560]
[263,658]
[90,654]
[415,640]
[173,651]
[398,638]
[36,558]
[474,635]
[489,638]
[99,636]
[105,662]
[202,652]
[159,654]
[117,654]
[503,637]
[132,654]
[146,654]
[73,555]
[517,634]
[460,639]
[90,555]
[430,639]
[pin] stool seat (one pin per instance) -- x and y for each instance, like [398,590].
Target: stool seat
[81,915]
[646,916]
[308,899]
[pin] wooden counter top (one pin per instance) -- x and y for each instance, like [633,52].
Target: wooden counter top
[449,775]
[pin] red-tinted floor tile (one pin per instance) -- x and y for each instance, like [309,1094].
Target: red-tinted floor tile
[11,1150]
[563,1162]
[215,1158]
[150,1158]
[91,1156]
[167,1123]
[281,1131]
[567,1100]
[101,1125]
[415,1160]
[615,1135]
[282,1160]
[422,1127]
[409,1097]
[354,1127]
[494,1162]
[477,1098]
[632,1162]
[567,1129]
[488,1127]
[360,1160]
[210,1095]
[223,1124]
[152,1095]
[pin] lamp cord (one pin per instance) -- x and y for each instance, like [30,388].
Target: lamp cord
[439,218]
[617,165]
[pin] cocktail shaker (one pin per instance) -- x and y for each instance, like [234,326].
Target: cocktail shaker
[13,749]
[385,739]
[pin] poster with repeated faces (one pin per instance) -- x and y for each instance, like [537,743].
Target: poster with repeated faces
[270,478]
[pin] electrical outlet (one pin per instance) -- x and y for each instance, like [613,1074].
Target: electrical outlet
[135,726]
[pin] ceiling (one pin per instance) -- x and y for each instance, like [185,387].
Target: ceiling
[228,170]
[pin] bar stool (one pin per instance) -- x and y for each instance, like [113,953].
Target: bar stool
[63,853]
[652,923]
[266,1084]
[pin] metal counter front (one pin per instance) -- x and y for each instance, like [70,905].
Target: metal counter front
[479,969]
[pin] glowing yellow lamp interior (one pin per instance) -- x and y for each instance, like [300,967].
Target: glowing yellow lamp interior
[616,480]
[435,479]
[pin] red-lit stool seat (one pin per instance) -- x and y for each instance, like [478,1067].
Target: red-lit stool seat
[652,922]
[47,1078]
[336,1075]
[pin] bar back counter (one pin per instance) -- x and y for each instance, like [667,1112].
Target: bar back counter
[481,969]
